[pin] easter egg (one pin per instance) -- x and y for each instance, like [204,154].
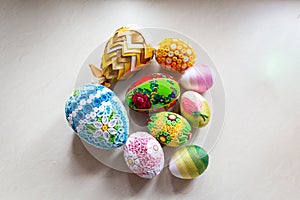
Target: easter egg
[156,92]
[175,54]
[197,78]
[143,155]
[125,52]
[169,128]
[97,116]
[189,162]
[195,109]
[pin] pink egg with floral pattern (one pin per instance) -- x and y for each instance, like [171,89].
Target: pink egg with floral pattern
[195,109]
[144,155]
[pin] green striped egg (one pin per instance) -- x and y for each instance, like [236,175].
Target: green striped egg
[189,162]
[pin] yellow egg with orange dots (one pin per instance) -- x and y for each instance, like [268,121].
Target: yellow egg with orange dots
[175,54]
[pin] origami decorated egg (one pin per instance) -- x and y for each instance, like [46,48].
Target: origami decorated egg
[189,162]
[197,78]
[156,92]
[143,155]
[124,53]
[195,109]
[175,54]
[169,128]
[98,116]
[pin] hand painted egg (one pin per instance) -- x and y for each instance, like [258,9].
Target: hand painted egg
[195,109]
[98,116]
[156,92]
[143,155]
[197,78]
[189,162]
[169,128]
[124,53]
[175,54]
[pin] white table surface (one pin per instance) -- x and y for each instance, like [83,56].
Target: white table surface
[255,46]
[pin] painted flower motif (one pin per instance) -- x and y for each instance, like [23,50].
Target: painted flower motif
[172,95]
[172,119]
[130,161]
[73,105]
[80,115]
[133,161]
[105,128]
[141,101]
[88,108]
[163,137]
[120,139]
[82,97]
[153,147]
[96,102]
[104,97]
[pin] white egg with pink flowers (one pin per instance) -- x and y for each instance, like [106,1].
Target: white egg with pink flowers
[144,155]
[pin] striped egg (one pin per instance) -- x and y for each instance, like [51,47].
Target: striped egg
[195,109]
[189,162]
[197,78]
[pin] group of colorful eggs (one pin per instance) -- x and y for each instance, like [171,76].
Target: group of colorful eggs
[97,115]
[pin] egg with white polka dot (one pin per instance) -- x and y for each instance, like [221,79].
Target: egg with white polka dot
[175,54]
[144,155]
[97,116]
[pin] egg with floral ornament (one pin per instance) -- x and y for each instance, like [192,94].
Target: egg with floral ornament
[97,116]
[189,162]
[175,54]
[195,109]
[153,93]
[144,155]
[169,128]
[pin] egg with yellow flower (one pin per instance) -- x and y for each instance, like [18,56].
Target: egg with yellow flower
[170,129]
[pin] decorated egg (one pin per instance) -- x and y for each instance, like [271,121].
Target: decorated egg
[175,54]
[143,155]
[156,92]
[169,128]
[189,162]
[197,78]
[124,53]
[195,109]
[97,116]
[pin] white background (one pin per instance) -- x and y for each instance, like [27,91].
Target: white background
[255,46]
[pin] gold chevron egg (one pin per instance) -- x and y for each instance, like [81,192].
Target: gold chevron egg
[125,52]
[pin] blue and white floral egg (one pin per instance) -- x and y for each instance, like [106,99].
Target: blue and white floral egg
[98,116]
